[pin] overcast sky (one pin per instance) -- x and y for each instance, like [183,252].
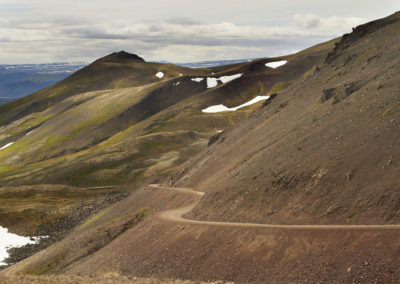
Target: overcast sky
[39,31]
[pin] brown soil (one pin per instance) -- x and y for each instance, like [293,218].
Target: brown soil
[156,248]
[107,279]
[177,216]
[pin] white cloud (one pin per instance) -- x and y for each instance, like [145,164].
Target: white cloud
[46,30]
[327,25]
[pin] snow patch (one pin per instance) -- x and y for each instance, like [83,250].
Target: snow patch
[226,79]
[9,240]
[180,74]
[216,108]
[276,64]
[7,145]
[160,75]
[212,82]
[176,84]
[221,108]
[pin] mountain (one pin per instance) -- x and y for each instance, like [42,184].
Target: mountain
[302,187]
[17,81]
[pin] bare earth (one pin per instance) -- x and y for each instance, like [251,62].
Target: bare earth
[176,215]
[180,250]
[108,279]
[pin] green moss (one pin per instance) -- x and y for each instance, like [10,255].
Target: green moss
[158,129]
[46,268]
[310,71]
[138,217]
[390,108]
[164,142]
[238,164]
[170,117]
[363,57]
[277,87]
[4,168]
[137,177]
[34,120]
[94,218]
[255,90]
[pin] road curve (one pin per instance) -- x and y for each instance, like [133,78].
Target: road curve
[176,215]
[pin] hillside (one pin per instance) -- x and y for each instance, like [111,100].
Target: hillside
[115,123]
[323,150]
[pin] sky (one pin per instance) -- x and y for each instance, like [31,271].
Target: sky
[42,31]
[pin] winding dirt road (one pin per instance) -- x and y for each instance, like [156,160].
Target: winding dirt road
[176,215]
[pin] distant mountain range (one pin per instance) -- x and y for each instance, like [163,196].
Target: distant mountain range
[17,81]
[215,63]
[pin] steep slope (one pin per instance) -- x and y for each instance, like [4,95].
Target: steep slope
[324,151]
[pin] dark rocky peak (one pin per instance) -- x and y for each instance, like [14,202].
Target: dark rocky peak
[121,57]
[359,32]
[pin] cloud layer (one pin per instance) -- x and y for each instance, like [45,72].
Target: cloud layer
[58,32]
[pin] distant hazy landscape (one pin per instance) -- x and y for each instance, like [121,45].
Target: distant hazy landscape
[17,81]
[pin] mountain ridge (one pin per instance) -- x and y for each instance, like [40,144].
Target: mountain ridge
[121,56]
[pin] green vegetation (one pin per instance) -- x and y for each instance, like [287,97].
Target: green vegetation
[94,218]
[391,108]
[364,56]
[46,268]
[310,71]
[277,87]
[33,205]
[133,218]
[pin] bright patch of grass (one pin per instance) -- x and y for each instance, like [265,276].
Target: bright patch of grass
[94,218]
[277,87]
[42,270]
